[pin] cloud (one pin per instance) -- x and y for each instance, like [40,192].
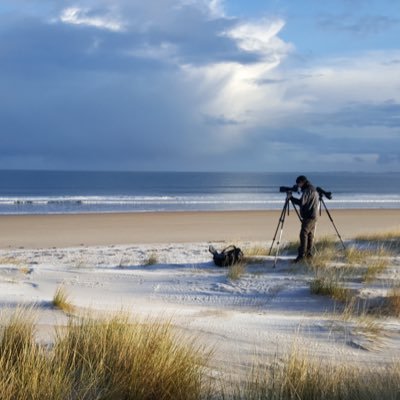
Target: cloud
[365,25]
[362,114]
[260,37]
[219,120]
[178,85]
[79,16]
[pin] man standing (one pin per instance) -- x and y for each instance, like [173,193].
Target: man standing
[308,203]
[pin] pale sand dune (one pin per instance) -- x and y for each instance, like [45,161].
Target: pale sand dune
[35,231]
[261,314]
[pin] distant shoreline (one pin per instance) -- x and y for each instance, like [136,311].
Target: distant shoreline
[91,229]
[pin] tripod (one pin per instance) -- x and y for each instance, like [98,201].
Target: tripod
[322,202]
[281,222]
[285,211]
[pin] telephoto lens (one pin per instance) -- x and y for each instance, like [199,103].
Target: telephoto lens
[287,189]
[323,192]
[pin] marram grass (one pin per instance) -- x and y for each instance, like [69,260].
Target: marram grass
[116,358]
[61,300]
[301,377]
[95,359]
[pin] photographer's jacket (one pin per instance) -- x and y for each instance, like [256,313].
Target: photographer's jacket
[308,202]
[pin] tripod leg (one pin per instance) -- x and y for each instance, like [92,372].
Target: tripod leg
[281,223]
[314,249]
[295,209]
[278,246]
[282,217]
[330,217]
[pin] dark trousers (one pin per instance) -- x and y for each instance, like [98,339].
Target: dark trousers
[307,237]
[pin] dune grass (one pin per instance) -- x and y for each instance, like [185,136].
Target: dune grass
[61,300]
[255,251]
[252,254]
[10,261]
[117,358]
[330,285]
[301,377]
[370,261]
[390,240]
[236,270]
[392,306]
[112,358]
[26,371]
[152,259]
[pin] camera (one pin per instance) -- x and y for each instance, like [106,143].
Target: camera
[322,192]
[286,189]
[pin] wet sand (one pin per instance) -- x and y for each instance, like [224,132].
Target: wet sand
[37,231]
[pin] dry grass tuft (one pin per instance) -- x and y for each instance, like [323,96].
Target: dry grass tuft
[373,261]
[300,377]
[61,300]
[152,259]
[290,247]
[330,285]
[389,240]
[393,302]
[25,270]
[26,371]
[125,360]
[93,359]
[256,251]
[236,270]
[10,261]
[253,255]
[326,243]
[374,268]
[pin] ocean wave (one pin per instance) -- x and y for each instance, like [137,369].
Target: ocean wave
[137,200]
[201,202]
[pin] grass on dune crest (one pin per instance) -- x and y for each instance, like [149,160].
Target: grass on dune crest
[390,240]
[93,359]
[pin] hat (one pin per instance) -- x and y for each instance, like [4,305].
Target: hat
[301,178]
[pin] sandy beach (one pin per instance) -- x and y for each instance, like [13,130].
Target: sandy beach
[36,231]
[102,261]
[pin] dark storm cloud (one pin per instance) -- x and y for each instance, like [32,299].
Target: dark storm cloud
[106,87]
[316,144]
[385,114]
[77,94]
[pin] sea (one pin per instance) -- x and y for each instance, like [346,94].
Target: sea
[61,192]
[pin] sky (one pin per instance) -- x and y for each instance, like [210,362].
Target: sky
[200,85]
